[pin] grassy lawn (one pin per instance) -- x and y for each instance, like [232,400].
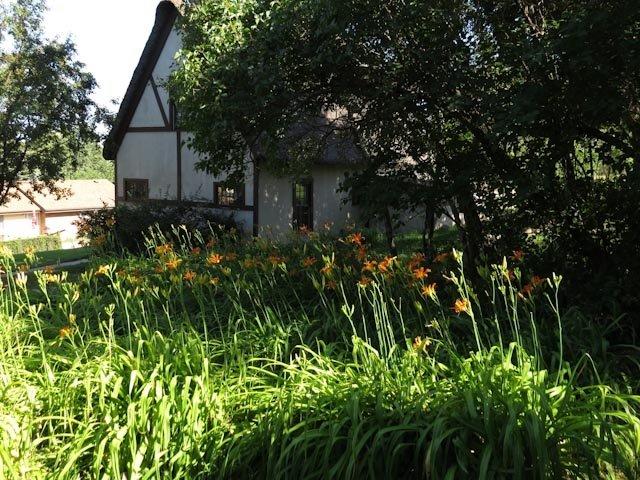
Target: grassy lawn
[409,243]
[55,257]
[319,358]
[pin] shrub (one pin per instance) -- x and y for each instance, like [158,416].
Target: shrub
[43,243]
[125,227]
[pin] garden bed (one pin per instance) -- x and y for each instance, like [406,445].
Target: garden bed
[218,358]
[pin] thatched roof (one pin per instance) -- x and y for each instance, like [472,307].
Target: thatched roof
[337,149]
[166,15]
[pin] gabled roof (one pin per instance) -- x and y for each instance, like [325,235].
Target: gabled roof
[166,15]
[337,150]
[80,195]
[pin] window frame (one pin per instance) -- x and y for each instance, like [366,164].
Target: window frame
[140,181]
[307,183]
[240,201]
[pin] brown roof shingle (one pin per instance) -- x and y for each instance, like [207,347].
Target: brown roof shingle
[84,195]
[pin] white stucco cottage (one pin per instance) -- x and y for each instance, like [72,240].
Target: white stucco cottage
[152,162]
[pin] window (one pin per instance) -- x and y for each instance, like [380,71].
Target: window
[228,196]
[303,204]
[136,190]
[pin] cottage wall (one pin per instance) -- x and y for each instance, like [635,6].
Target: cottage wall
[21,225]
[153,150]
[276,202]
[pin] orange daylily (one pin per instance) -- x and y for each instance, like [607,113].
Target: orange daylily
[461,305]
[275,259]
[304,231]
[364,281]
[327,269]
[527,289]
[66,332]
[356,239]
[103,270]
[421,273]
[536,281]
[173,264]
[165,249]
[415,261]
[442,257]
[214,259]
[429,290]
[196,251]
[189,276]
[421,345]
[370,266]
[309,262]
[386,264]
[328,226]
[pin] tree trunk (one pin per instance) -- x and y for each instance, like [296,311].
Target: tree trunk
[427,232]
[388,230]
[472,231]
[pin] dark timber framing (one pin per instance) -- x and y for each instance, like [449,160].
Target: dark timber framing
[195,203]
[166,15]
[256,198]
[179,162]
[156,93]
[149,129]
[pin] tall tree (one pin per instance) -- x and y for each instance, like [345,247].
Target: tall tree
[46,114]
[523,113]
[89,164]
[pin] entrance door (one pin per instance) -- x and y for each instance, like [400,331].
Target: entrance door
[303,204]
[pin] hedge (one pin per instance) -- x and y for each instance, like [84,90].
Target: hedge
[44,243]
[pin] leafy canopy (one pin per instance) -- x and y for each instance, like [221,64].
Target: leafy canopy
[46,113]
[521,116]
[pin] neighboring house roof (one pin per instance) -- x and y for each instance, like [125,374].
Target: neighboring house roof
[166,15]
[83,195]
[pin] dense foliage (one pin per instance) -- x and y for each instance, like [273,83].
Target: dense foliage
[523,115]
[89,164]
[124,228]
[214,358]
[46,113]
[43,243]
